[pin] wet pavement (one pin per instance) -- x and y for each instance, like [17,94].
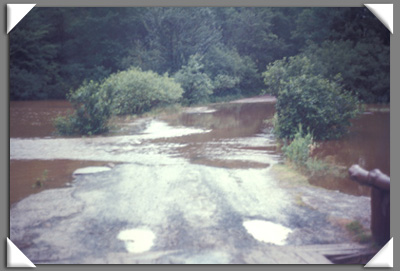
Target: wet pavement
[195,188]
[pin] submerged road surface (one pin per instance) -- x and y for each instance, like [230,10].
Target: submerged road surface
[193,189]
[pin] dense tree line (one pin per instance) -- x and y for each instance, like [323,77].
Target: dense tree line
[54,50]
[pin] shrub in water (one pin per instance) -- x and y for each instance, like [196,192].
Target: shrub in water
[92,106]
[135,91]
[126,92]
[320,105]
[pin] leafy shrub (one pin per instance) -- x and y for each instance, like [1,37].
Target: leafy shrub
[126,92]
[298,151]
[135,91]
[231,73]
[92,106]
[320,105]
[279,72]
[65,125]
[226,85]
[196,84]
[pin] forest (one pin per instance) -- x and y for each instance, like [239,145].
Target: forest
[54,50]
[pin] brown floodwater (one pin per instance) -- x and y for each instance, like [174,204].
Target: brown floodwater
[32,176]
[367,144]
[231,127]
[30,119]
[35,118]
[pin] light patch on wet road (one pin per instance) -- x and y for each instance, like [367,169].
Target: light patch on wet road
[115,148]
[137,240]
[268,232]
[90,170]
[160,129]
[200,110]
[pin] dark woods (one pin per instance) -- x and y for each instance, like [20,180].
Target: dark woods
[54,50]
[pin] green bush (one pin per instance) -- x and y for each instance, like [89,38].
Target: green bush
[305,97]
[126,92]
[298,151]
[92,106]
[279,72]
[196,84]
[65,125]
[135,91]
[231,73]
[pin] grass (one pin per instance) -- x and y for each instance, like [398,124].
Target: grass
[358,232]
[298,155]
[288,176]
[319,168]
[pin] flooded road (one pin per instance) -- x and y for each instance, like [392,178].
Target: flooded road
[190,187]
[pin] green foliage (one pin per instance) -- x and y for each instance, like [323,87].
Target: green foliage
[278,73]
[65,125]
[320,105]
[196,84]
[231,73]
[126,92]
[261,43]
[349,41]
[53,50]
[365,69]
[318,167]
[298,151]
[135,91]
[93,109]
[33,58]
[359,233]
[176,33]
[225,85]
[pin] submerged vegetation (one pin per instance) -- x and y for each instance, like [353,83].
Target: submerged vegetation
[40,182]
[298,154]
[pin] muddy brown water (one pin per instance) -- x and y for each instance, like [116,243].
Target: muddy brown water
[35,118]
[33,176]
[368,143]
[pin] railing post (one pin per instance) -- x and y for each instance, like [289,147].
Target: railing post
[380,200]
